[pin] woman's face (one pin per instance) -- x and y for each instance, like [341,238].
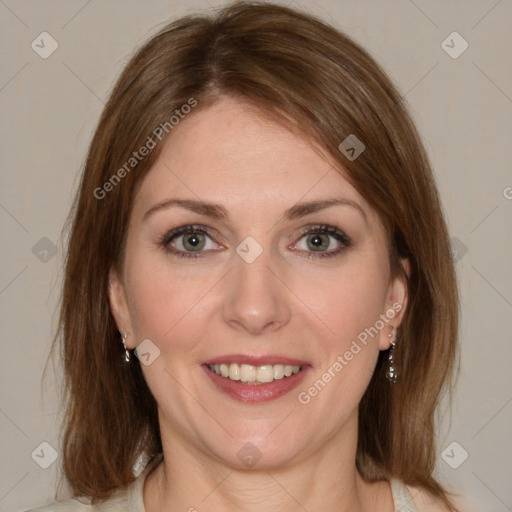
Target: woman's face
[282,264]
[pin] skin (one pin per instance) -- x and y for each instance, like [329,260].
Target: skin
[283,303]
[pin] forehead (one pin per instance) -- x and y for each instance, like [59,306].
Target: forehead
[231,154]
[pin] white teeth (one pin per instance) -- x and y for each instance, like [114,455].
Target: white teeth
[265,373]
[234,371]
[248,373]
[224,370]
[278,371]
[254,374]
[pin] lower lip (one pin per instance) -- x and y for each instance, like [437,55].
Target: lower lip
[257,393]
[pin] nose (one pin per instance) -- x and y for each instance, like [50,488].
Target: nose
[256,296]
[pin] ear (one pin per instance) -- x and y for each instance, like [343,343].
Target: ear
[396,304]
[119,305]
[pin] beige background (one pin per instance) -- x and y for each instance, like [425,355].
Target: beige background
[463,107]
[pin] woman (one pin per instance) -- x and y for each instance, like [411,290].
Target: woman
[257,218]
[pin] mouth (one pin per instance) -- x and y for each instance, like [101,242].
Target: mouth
[254,375]
[255,380]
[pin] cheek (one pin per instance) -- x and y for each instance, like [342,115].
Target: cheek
[155,301]
[352,309]
[168,304]
[353,300]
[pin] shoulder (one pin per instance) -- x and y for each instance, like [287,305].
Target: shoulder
[427,502]
[114,504]
[71,505]
[127,499]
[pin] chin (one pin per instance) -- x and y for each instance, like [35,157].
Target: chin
[255,445]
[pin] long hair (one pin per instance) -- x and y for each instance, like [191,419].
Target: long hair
[303,72]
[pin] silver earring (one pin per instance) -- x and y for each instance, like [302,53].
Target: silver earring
[126,356]
[391,374]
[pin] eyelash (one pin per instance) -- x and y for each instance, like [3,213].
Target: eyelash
[323,229]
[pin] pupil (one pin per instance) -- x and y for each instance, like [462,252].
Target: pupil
[316,241]
[192,241]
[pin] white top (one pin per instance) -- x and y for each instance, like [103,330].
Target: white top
[131,499]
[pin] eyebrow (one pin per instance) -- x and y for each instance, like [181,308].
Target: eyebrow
[218,212]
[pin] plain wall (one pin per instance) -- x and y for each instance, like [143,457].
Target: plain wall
[463,108]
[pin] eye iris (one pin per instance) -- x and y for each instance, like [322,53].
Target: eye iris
[193,241]
[318,243]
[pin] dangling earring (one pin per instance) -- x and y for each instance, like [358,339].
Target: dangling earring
[126,356]
[391,374]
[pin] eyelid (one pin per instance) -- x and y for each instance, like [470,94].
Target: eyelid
[323,228]
[167,238]
[326,229]
[181,230]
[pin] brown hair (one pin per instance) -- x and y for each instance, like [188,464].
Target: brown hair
[299,70]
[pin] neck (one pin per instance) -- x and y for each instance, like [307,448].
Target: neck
[190,480]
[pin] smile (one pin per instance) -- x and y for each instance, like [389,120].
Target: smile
[251,374]
[255,383]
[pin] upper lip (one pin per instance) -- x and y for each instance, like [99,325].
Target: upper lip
[256,360]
